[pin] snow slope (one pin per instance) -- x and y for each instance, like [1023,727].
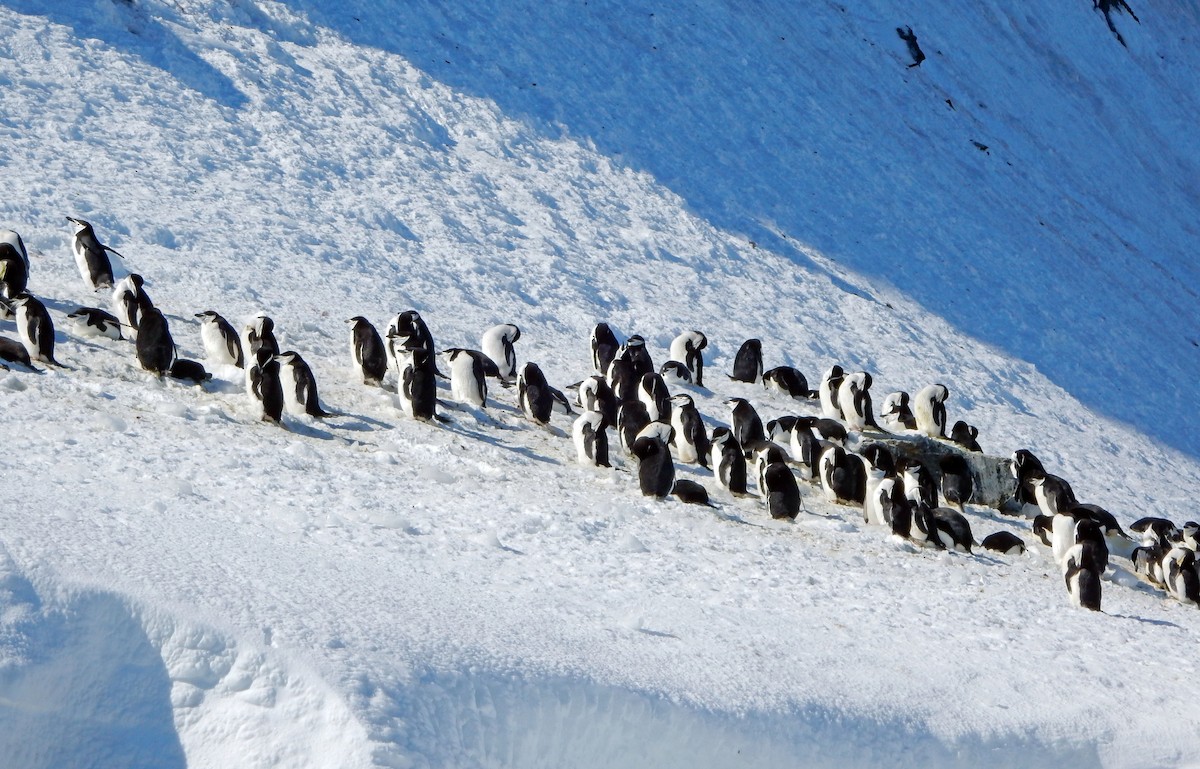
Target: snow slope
[184,585]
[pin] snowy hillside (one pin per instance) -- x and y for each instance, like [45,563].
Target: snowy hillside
[182,584]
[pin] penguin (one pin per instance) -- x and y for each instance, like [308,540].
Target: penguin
[656,470]
[957,482]
[1087,530]
[12,351]
[604,347]
[299,385]
[468,383]
[652,391]
[765,453]
[1025,467]
[267,387]
[497,343]
[782,492]
[660,430]
[902,513]
[691,493]
[675,371]
[965,435]
[596,395]
[1043,529]
[688,349]
[1062,533]
[1190,534]
[367,354]
[14,270]
[128,299]
[155,347]
[805,447]
[13,240]
[918,482]
[188,371]
[879,468]
[747,364]
[1157,531]
[1147,562]
[560,402]
[950,530]
[1180,577]
[854,400]
[1115,538]
[221,344]
[1053,495]
[1082,575]
[533,393]
[94,322]
[843,478]
[1004,542]
[35,328]
[417,386]
[780,430]
[411,333]
[591,439]
[728,461]
[622,380]
[638,356]
[831,382]
[91,256]
[691,437]
[632,418]
[747,426]
[929,409]
[897,414]
[830,430]
[259,334]
[789,381]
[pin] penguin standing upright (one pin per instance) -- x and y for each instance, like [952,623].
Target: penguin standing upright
[259,334]
[827,391]
[417,386]
[367,353]
[155,347]
[688,349]
[596,395]
[782,492]
[128,300]
[691,437]
[221,343]
[91,256]
[299,385]
[497,344]
[747,364]
[656,470]
[854,401]
[622,380]
[632,418]
[591,439]
[747,425]
[957,483]
[880,469]
[728,461]
[267,386]
[35,328]
[13,240]
[929,410]
[533,393]
[1081,572]
[634,351]
[604,347]
[468,383]
[652,391]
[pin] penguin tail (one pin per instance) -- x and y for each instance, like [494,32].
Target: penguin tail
[443,420]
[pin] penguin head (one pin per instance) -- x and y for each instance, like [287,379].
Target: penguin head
[682,400]
[80,224]
[207,315]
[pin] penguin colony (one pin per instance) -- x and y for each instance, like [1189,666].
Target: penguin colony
[831,449]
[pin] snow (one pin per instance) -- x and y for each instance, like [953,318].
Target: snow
[184,585]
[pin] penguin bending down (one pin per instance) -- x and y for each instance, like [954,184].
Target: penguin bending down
[929,409]
[1081,572]
[897,414]
[35,328]
[13,241]
[468,383]
[368,355]
[188,371]
[747,364]
[14,270]
[691,437]
[221,344]
[417,386]
[94,322]
[1087,530]
[957,482]
[790,381]
[780,430]
[533,393]
[965,435]
[155,347]
[632,418]
[1157,531]
[299,385]
[805,448]
[950,530]
[1180,577]
[91,256]
[691,492]
[497,343]
[880,480]
[12,351]
[831,383]
[919,485]
[1004,542]
[675,371]
[604,348]
[596,395]
[656,470]
[591,439]
[1147,562]
[129,300]
[854,400]
[843,477]
[728,461]
[652,391]
[1115,538]
[688,349]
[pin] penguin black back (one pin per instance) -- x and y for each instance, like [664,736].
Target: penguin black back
[155,347]
[656,470]
[747,364]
